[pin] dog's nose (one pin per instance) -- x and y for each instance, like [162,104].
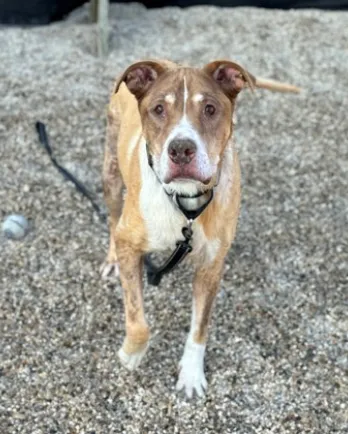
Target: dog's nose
[181,151]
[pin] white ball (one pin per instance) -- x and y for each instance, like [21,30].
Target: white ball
[15,227]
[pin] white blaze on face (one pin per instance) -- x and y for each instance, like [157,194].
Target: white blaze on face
[185,130]
[185,96]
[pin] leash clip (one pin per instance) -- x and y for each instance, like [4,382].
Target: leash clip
[187,231]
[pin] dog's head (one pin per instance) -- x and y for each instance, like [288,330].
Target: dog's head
[186,116]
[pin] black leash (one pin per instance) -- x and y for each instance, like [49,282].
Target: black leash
[183,248]
[41,130]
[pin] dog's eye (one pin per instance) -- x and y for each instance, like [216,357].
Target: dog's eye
[159,109]
[209,110]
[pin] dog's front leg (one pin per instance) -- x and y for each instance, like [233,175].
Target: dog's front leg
[137,331]
[205,288]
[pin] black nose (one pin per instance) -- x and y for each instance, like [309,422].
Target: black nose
[182,151]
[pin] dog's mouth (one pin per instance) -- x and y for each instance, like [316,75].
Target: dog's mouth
[185,173]
[184,179]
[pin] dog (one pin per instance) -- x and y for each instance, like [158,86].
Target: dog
[170,147]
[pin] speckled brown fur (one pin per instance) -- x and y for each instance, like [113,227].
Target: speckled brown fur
[129,119]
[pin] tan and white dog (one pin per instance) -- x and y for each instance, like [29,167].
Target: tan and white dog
[170,135]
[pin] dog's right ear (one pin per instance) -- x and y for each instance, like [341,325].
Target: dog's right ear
[140,76]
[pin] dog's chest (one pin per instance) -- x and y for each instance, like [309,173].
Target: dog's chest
[164,223]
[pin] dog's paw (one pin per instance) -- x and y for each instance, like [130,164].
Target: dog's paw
[109,270]
[133,360]
[191,377]
[192,382]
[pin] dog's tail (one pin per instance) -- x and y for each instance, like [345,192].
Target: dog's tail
[276,86]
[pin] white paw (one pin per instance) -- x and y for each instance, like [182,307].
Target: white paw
[133,360]
[109,270]
[191,376]
[192,382]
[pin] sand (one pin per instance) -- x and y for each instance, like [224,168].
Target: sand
[277,354]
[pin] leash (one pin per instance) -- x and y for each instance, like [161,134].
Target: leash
[183,247]
[43,138]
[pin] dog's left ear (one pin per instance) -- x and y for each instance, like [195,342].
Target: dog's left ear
[230,76]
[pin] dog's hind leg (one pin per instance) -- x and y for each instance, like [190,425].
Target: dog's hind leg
[113,187]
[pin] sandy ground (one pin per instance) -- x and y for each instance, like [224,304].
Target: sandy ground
[277,355]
